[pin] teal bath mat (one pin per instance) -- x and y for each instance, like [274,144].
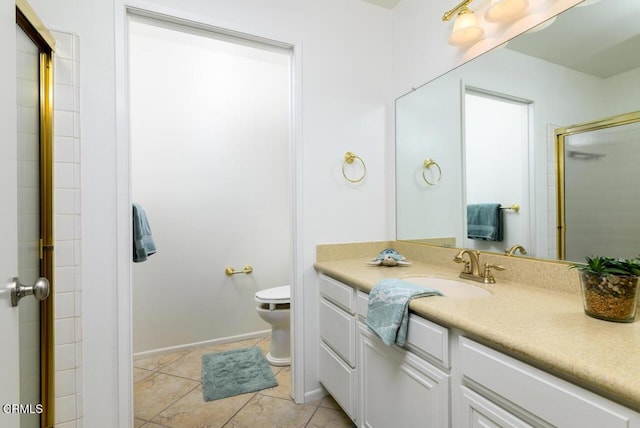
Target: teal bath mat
[229,373]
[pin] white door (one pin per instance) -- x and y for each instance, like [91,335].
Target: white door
[20,244]
[9,375]
[28,225]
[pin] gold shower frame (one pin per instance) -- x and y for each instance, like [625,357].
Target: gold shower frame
[560,135]
[29,22]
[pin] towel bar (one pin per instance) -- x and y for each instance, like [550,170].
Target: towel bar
[514,207]
[231,270]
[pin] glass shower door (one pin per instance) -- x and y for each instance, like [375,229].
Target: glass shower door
[599,196]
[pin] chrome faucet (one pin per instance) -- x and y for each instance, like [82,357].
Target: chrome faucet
[511,251]
[471,269]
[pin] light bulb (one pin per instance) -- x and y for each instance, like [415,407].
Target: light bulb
[505,10]
[465,29]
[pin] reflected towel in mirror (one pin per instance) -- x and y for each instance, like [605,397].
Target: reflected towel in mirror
[484,222]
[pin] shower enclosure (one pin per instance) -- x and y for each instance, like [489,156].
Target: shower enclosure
[597,188]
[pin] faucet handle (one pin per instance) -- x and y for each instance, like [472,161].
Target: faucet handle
[487,275]
[467,263]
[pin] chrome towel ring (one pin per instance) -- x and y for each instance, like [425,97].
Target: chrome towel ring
[427,164]
[349,158]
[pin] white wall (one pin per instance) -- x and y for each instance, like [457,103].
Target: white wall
[67,232]
[211,169]
[345,48]
[624,90]
[429,127]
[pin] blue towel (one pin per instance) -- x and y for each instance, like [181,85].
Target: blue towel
[484,221]
[143,245]
[388,310]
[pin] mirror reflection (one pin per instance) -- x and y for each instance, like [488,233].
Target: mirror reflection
[490,125]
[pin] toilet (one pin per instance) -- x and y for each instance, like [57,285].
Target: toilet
[274,306]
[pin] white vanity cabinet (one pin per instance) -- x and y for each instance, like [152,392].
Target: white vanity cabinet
[403,387]
[442,379]
[499,391]
[337,353]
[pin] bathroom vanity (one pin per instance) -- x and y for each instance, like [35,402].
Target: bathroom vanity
[524,356]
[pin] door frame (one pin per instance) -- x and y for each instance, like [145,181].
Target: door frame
[29,22]
[527,161]
[124,9]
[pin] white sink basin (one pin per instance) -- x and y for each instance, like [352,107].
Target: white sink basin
[454,288]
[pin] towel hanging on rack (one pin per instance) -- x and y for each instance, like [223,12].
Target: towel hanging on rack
[484,222]
[143,245]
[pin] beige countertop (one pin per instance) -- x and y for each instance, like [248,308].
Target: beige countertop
[543,327]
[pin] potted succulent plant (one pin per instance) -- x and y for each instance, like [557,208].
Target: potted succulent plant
[609,287]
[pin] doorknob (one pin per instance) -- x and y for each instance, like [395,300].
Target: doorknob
[40,290]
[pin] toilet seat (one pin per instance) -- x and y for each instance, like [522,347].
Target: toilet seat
[276,295]
[274,307]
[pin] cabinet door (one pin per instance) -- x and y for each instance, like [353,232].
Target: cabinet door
[478,412]
[537,394]
[399,389]
[338,330]
[339,379]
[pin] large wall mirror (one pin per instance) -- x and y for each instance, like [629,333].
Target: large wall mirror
[485,133]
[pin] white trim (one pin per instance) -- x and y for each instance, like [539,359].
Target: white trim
[315,395]
[123,212]
[298,360]
[123,223]
[213,342]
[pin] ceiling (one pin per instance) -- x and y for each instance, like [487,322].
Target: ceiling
[608,28]
[387,4]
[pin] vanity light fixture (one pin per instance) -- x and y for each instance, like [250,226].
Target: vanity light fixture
[505,10]
[465,28]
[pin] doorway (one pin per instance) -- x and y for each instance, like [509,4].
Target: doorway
[496,163]
[210,131]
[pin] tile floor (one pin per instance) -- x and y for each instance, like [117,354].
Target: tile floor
[168,394]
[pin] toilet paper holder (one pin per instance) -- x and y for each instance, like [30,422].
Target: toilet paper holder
[230,270]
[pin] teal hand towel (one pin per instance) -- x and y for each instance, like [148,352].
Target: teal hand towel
[143,244]
[484,222]
[388,308]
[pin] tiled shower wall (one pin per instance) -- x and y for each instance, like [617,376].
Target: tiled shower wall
[67,233]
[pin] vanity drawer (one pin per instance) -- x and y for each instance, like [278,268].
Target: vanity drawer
[339,379]
[428,339]
[338,330]
[339,293]
[424,337]
[362,305]
[541,394]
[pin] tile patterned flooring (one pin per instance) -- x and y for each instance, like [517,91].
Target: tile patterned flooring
[168,394]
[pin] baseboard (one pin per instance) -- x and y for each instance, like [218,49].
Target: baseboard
[219,341]
[314,395]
